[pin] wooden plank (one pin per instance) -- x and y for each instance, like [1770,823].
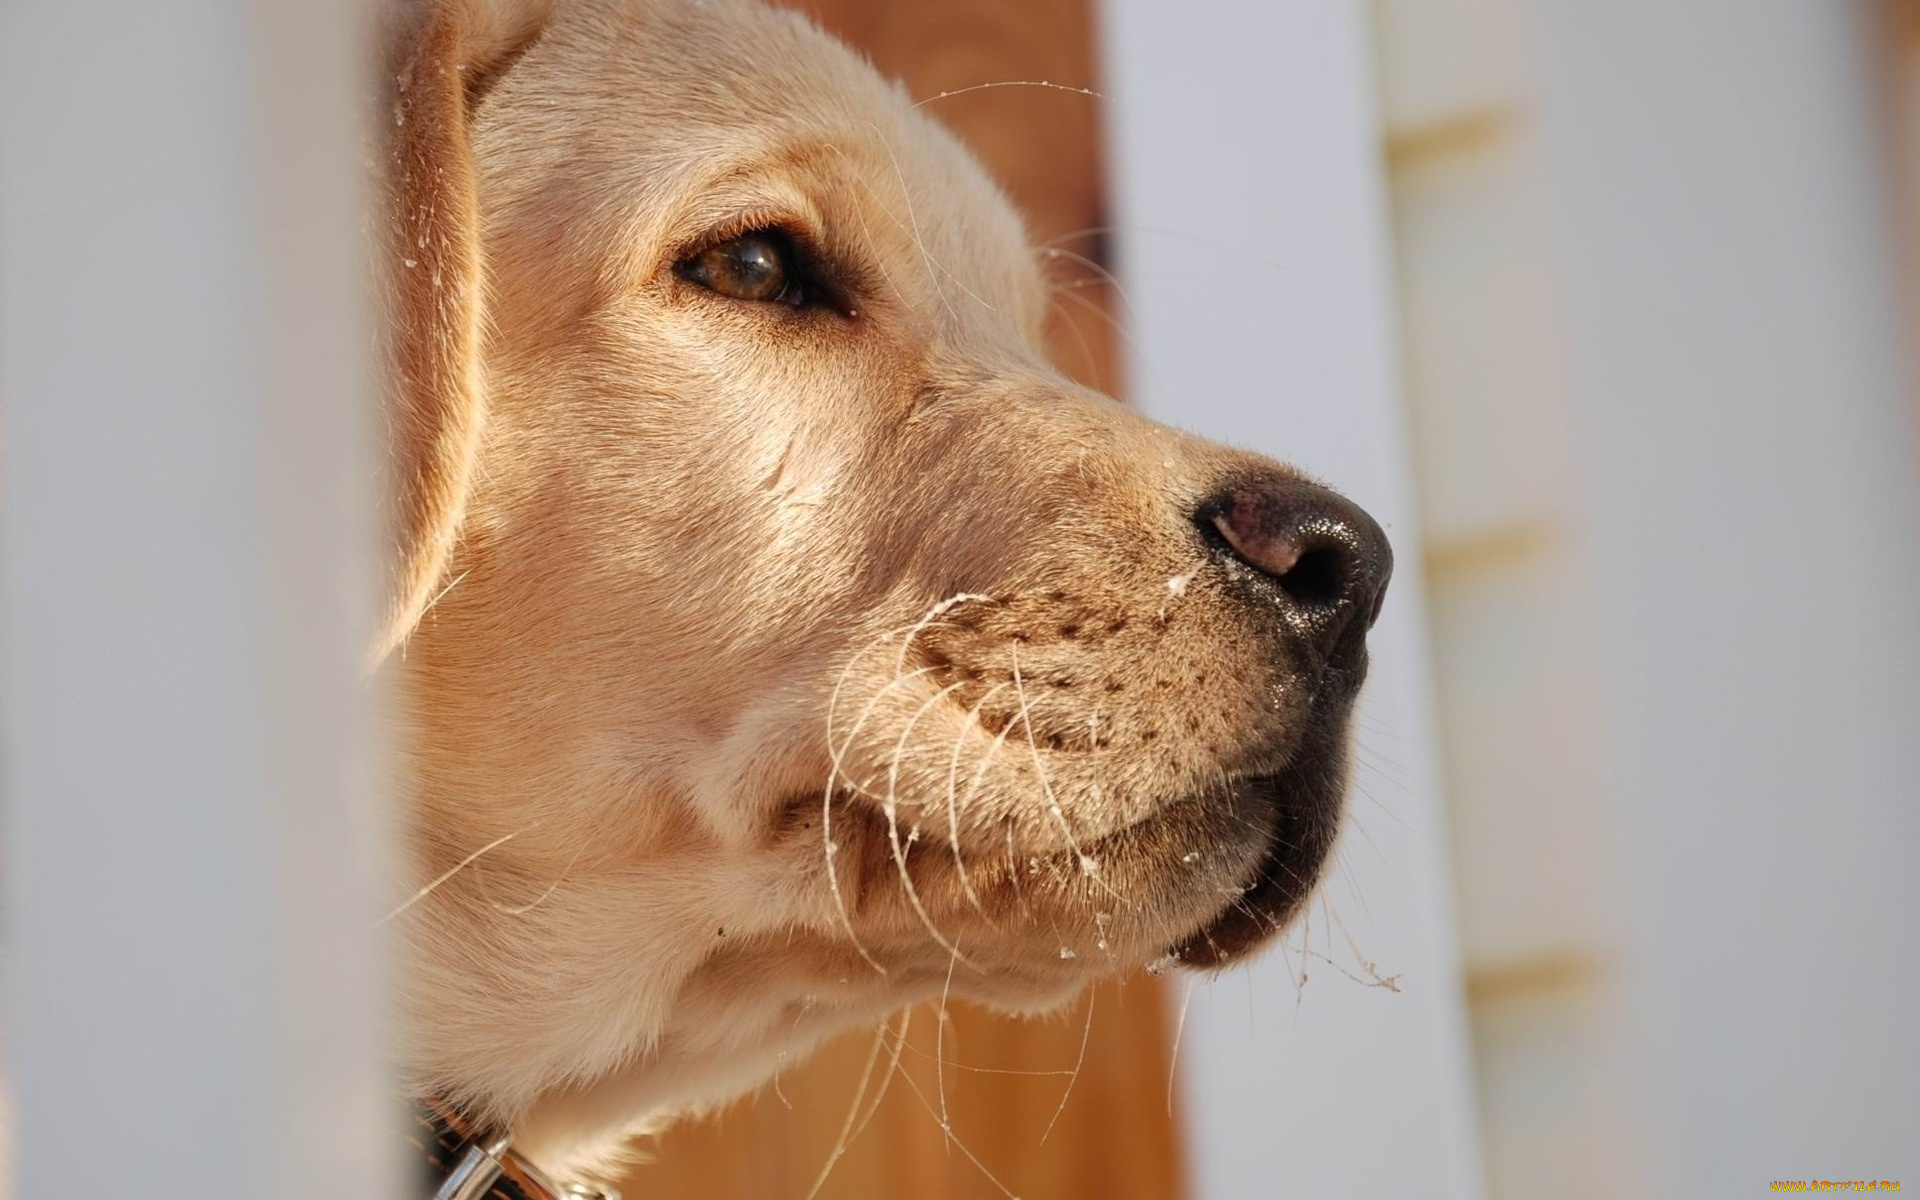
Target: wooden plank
[1009,1090]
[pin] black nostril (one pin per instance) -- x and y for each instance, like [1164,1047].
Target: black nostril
[1326,559]
[1318,579]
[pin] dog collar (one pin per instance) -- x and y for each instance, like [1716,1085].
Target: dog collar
[462,1163]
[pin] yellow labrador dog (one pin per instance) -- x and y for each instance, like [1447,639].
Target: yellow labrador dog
[783,640]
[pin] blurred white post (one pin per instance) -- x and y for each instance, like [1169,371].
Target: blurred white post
[1252,241]
[190,850]
[1752,466]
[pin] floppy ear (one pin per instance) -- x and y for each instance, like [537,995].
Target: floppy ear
[440,56]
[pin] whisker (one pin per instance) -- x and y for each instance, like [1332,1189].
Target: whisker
[1306,953]
[1004,83]
[778,1091]
[972,1070]
[1365,756]
[931,619]
[920,242]
[828,848]
[1112,322]
[873,245]
[1094,374]
[1345,863]
[893,1070]
[927,621]
[1354,823]
[1100,274]
[853,1111]
[1374,977]
[1179,1031]
[891,807]
[442,593]
[940,1056]
[958,1141]
[953,808]
[1284,945]
[521,910]
[853,662]
[1086,1035]
[979,774]
[455,869]
[834,775]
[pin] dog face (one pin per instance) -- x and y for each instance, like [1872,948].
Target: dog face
[783,640]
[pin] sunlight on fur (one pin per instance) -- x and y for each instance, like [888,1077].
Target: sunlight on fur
[783,641]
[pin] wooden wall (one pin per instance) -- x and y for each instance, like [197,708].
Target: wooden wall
[1023,1121]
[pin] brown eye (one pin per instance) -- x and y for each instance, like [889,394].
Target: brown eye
[754,266]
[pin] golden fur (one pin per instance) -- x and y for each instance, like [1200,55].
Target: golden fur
[766,668]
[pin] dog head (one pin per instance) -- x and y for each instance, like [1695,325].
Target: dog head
[784,640]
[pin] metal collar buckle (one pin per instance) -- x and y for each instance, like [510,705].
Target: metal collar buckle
[487,1169]
[478,1169]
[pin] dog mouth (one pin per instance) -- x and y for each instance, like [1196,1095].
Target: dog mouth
[1202,875]
[1300,810]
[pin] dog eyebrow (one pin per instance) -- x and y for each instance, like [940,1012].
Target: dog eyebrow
[760,185]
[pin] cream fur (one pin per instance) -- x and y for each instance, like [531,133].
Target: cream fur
[719,624]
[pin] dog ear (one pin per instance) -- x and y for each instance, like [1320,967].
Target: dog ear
[440,56]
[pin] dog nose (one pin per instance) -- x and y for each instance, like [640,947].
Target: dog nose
[1326,561]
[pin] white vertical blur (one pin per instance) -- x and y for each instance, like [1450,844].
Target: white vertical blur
[190,839]
[1250,235]
[1749,455]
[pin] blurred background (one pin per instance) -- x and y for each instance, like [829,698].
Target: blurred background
[1605,306]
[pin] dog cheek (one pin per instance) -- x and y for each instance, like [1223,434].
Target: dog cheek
[802,478]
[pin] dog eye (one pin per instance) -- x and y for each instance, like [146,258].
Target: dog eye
[755,266]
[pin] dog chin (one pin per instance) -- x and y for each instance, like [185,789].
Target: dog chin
[1301,806]
[1273,834]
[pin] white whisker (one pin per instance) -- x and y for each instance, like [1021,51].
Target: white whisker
[1005,83]
[853,1112]
[935,268]
[893,1070]
[455,869]
[1179,1031]
[834,774]
[891,806]
[958,1141]
[953,806]
[1086,1035]
[940,1055]
[931,618]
